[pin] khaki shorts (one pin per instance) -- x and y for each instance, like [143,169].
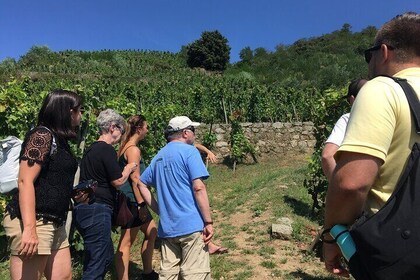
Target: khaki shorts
[186,256]
[50,237]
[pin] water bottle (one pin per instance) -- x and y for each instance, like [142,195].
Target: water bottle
[343,238]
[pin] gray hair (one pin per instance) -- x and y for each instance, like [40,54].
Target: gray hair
[173,135]
[107,118]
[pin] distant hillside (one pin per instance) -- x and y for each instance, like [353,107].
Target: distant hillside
[93,65]
[331,60]
[288,84]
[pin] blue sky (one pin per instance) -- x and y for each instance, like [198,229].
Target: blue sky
[166,25]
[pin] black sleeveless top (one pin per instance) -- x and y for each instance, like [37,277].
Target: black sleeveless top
[54,184]
[127,188]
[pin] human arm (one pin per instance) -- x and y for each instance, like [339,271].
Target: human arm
[332,144]
[210,155]
[32,158]
[27,177]
[346,196]
[200,194]
[148,197]
[328,162]
[128,169]
[133,154]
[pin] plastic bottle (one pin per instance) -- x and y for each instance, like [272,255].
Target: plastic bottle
[343,238]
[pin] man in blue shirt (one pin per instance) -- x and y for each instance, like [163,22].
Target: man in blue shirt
[185,227]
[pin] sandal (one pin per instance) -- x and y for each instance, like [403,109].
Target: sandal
[219,251]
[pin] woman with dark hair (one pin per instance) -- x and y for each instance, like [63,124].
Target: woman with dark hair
[94,219]
[142,219]
[35,218]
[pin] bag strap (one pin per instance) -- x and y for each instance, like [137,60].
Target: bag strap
[414,105]
[53,143]
[413,100]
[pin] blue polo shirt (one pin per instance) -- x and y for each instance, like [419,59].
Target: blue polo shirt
[171,172]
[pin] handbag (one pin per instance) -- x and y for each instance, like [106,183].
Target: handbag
[388,243]
[122,214]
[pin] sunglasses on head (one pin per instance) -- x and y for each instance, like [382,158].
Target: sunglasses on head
[368,52]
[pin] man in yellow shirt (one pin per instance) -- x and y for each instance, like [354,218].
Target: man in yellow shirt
[380,133]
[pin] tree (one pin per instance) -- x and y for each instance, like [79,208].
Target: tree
[36,55]
[246,55]
[260,52]
[210,52]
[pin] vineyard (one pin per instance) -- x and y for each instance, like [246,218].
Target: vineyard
[157,93]
[301,82]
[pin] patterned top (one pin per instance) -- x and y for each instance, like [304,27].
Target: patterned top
[54,184]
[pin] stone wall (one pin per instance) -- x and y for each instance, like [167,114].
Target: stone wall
[269,139]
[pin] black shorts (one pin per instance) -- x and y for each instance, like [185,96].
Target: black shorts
[136,221]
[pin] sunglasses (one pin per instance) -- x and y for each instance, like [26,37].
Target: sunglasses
[78,109]
[120,128]
[368,52]
[191,128]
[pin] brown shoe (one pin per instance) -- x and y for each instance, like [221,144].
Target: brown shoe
[150,276]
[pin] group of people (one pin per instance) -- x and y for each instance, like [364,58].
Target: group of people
[36,216]
[363,166]
[94,216]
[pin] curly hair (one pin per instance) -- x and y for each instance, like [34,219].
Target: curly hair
[107,118]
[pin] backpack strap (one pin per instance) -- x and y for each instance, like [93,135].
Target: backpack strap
[414,104]
[413,100]
[53,143]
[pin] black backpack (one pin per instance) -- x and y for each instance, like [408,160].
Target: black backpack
[388,243]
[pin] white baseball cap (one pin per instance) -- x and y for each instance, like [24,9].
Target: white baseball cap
[181,122]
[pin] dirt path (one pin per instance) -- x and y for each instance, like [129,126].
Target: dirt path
[264,258]
[252,253]
[256,255]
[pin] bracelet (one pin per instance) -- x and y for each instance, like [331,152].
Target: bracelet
[208,223]
[325,231]
[142,204]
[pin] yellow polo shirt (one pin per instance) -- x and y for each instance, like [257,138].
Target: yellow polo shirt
[381,125]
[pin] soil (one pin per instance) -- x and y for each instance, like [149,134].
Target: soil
[253,254]
[289,259]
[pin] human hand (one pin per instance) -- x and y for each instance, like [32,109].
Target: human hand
[82,197]
[211,157]
[29,243]
[208,233]
[131,166]
[143,213]
[332,259]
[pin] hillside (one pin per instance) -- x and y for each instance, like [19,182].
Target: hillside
[328,61]
[286,85]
